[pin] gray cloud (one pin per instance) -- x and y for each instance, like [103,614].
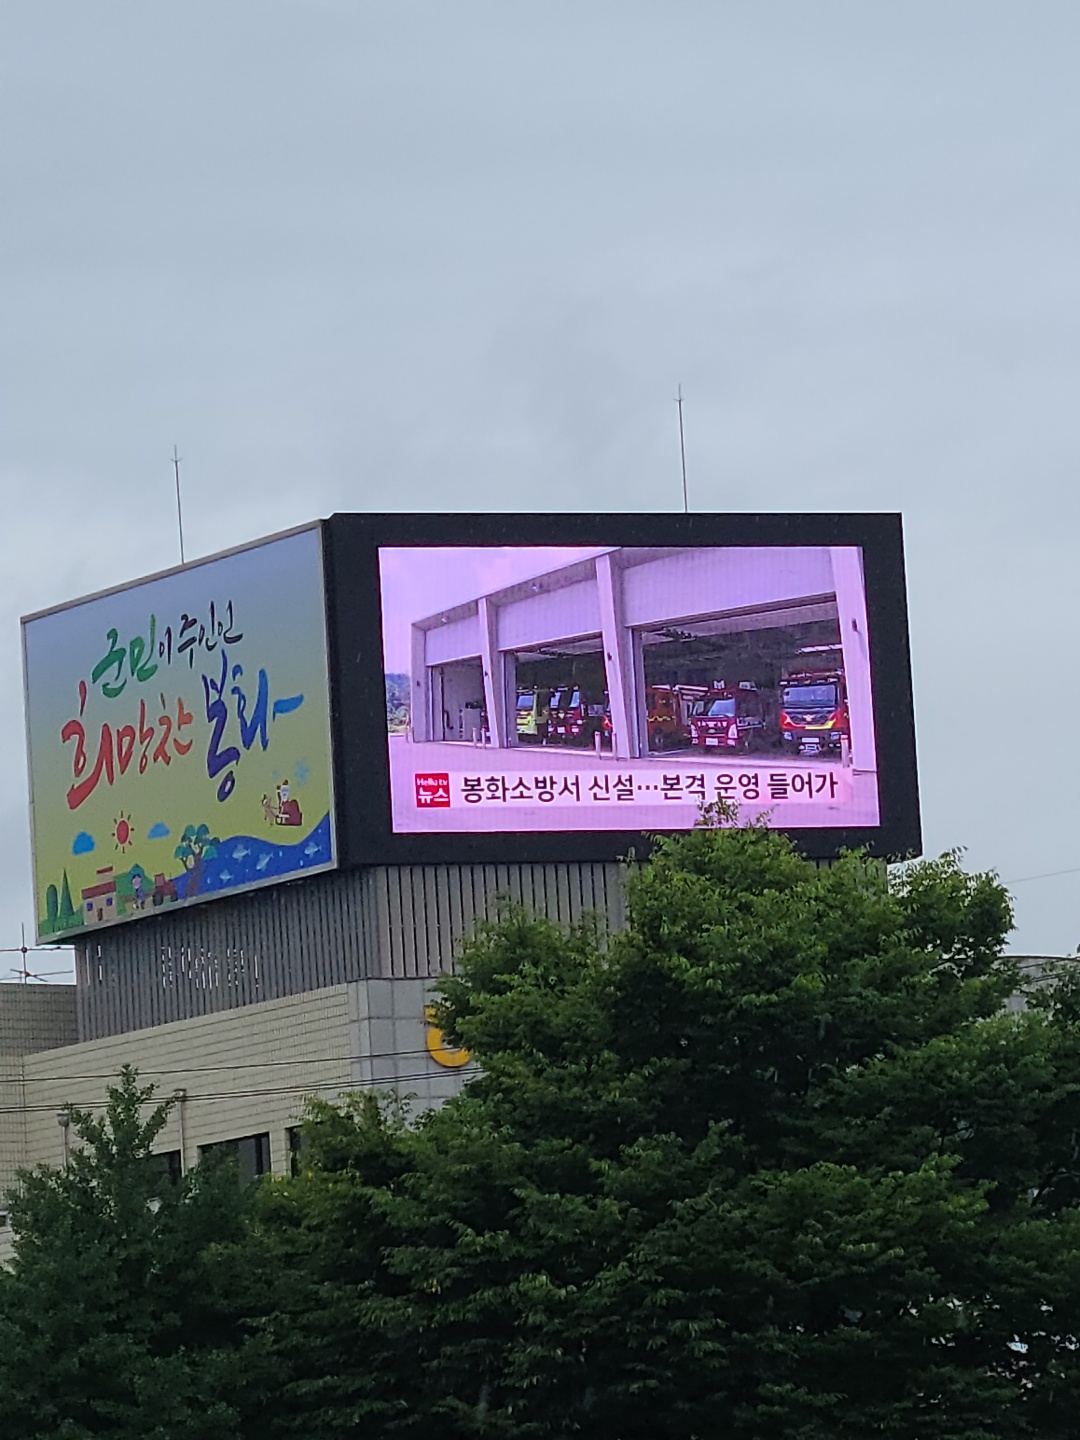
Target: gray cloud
[430,256]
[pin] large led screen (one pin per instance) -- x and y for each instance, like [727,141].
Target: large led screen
[179,738]
[542,688]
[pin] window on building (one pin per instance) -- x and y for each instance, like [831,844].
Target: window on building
[250,1153]
[169,1162]
[295,1136]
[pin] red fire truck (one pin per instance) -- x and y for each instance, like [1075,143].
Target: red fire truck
[729,717]
[575,719]
[814,711]
[669,711]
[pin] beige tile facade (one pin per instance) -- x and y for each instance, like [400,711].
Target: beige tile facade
[237,1072]
[33,1018]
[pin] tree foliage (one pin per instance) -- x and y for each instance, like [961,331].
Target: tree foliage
[113,1319]
[773,1162]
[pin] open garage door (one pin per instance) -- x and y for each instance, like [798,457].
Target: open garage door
[458,711]
[718,684]
[560,694]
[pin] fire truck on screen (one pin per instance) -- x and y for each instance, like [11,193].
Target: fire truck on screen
[730,718]
[533,716]
[577,719]
[814,711]
[669,711]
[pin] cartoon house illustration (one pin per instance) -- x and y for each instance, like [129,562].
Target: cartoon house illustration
[99,901]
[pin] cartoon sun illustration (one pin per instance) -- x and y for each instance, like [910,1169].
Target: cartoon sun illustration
[122,831]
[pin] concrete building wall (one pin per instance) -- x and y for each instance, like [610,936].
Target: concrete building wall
[241,1072]
[456,640]
[1035,972]
[32,1018]
[564,614]
[404,922]
[236,1073]
[696,582]
[855,638]
[36,1017]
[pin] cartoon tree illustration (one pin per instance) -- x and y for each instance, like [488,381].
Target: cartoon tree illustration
[67,909]
[52,907]
[196,846]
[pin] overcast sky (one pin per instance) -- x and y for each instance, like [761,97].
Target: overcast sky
[418,256]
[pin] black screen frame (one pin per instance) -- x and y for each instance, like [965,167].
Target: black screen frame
[358,709]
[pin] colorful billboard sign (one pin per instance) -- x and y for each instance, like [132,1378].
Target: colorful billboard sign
[616,688]
[179,737]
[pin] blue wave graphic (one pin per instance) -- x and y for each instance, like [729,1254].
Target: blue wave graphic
[249,860]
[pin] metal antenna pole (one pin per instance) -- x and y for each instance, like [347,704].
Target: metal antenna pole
[682,455]
[24,972]
[179,512]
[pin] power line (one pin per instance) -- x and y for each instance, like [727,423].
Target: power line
[211,1069]
[1046,875]
[343,1087]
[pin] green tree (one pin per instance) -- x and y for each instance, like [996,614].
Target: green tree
[772,1163]
[336,1324]
[114,1318]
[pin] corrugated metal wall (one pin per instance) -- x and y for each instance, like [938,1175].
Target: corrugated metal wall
[403,921]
